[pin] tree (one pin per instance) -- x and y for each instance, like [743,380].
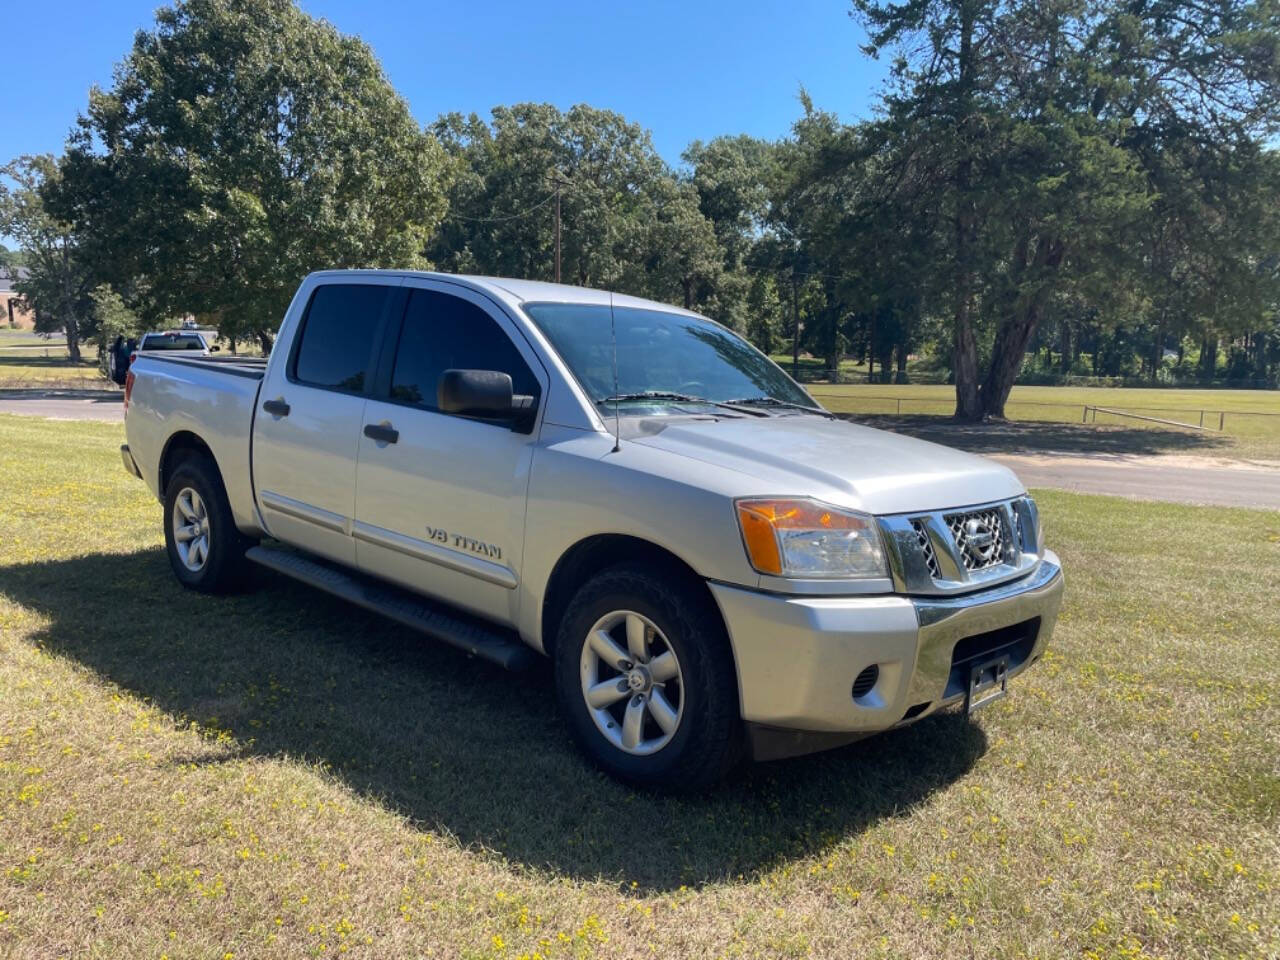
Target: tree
[10,259]
[57,286]
[731,176]
[242,145]
[1024,128]
[111,318]
[627,221]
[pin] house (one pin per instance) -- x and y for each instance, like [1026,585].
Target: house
[11,309]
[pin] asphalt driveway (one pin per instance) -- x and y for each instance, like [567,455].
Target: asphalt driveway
[1177,479]
[65,405]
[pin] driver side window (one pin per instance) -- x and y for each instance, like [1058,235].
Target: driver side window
[443,332]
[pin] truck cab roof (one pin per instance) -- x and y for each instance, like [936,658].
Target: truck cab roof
[516,292]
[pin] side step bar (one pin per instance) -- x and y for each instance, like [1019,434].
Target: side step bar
[476,637]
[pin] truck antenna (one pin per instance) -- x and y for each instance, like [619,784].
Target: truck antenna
[617,416]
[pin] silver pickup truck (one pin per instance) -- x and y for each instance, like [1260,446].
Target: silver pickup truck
[715,564]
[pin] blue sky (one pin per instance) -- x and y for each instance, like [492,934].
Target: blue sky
[683,70]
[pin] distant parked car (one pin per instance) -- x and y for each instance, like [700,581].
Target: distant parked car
[189,343]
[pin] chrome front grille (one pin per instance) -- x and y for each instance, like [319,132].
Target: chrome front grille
[951,551]
[930,558]
[981,537]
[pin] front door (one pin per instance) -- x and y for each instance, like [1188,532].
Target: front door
[440,498]
[310,410]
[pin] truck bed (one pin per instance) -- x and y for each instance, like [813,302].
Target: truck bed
[253,367]
[213,399]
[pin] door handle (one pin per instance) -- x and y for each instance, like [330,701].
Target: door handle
[277,408]
[382,432]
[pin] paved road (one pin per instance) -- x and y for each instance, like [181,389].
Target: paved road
[101,405]
[1178,479]
[1175,479]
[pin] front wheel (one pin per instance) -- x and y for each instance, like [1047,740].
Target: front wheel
[646,680]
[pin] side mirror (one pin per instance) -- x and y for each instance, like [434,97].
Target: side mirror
[215,348]
[483,393]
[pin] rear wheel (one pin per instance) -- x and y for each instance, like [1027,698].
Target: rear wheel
[205,549]
[646,680]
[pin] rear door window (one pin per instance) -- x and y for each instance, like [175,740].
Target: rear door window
[335,345]
[443,332]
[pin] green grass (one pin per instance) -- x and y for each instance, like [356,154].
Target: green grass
[1251,426]
[280,775]
[30,361]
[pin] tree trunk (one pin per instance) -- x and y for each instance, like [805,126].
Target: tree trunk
[1157,349]
[264,339]
[795,327]
[1015,333]
[965,347]
[871,349]
[69,325]
[73,338]
[1209,357]
[902,364]
[687,284]
[965,351]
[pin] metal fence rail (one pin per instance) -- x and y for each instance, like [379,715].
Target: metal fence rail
[1204,415]
[1138,416]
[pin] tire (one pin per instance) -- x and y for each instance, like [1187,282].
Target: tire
[689,733]
[211,560]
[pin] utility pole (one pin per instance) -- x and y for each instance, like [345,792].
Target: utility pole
[558,178]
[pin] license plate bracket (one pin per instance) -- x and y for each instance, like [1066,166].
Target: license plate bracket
[988,682]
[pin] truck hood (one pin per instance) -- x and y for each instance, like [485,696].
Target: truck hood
[843,463]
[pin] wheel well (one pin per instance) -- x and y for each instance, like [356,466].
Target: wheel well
[178,448]
[594,554]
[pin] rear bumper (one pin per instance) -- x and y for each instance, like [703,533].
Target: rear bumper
[797,657]
[129,465]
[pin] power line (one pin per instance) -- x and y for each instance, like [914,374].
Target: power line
[515,216]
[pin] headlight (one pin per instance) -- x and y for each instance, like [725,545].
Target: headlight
[805,538]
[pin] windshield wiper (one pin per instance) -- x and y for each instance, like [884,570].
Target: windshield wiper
[775,402]
[660,395]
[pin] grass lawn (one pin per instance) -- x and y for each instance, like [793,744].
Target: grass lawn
[1251,426]
[31,361]
[281,775]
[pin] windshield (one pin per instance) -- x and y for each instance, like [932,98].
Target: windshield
[172,341]
[660,353]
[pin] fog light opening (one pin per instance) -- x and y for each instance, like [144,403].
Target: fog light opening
[864,682]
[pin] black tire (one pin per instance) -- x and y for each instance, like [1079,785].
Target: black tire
[224,568]
[707,741]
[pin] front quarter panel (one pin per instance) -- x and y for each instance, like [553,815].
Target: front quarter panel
[580,487]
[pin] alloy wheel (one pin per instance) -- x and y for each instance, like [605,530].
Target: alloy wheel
[632,682]
[191,529]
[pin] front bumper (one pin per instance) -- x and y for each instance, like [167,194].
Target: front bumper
[797,657]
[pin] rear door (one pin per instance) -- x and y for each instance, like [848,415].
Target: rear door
[310,411]
[440,498]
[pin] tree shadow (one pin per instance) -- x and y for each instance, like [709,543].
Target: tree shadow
[1036,436]
[458,745]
